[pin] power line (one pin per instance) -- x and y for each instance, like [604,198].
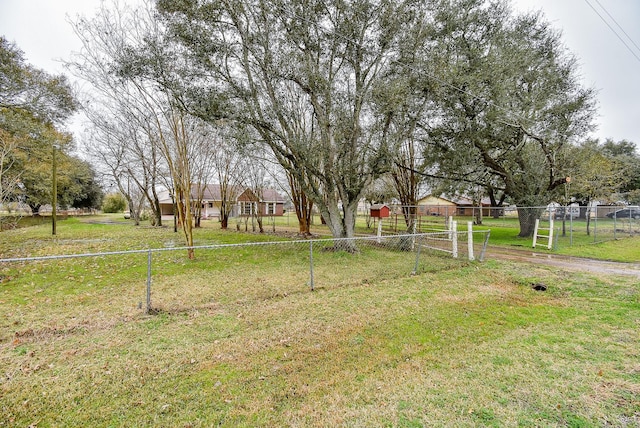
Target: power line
[619,26]
[613,29]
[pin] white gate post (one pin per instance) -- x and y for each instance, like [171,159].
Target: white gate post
[454,239]
[470,240]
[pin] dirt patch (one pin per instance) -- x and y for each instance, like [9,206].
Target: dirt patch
[565,262]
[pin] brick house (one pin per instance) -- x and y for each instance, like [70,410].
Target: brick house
[244,201]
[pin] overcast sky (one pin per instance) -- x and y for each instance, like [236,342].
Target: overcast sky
[41,29]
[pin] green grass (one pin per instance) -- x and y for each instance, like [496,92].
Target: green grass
[239,340]
[622,247]
[600,243]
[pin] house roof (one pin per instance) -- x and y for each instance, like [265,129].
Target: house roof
[213,192]
[434,198]
[466,201]
[272,195]
[457,200]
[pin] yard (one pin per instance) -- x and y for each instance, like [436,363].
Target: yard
[238,339]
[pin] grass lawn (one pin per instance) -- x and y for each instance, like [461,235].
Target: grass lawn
[601,245]
[239,340]
[601,242]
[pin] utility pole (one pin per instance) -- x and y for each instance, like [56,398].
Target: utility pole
[54,192]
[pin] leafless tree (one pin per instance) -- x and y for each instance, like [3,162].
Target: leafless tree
[110,61]
[227,165]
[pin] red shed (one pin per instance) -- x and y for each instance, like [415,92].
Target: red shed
[380,211]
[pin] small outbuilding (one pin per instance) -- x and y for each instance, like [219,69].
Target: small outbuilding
[380,211]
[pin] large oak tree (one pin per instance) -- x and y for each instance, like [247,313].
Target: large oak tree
[263,63]
[510,105]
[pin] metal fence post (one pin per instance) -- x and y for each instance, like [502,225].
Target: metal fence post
[571,230]
[485,244]
[415,268]
[311,264]
[413,232]
[148,309]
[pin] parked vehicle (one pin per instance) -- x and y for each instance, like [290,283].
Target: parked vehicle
[568,213]
[631,212]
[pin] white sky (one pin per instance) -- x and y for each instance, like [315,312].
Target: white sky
[41,29]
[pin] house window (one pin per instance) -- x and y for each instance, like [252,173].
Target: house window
[246,208]
[271,208]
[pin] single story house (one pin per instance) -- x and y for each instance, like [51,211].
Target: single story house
[436,205]
[466,206]
[244,201]
[459,205]
[270,204]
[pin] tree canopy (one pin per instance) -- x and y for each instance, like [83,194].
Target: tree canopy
[32,105]
[336,89]
[511,108]
[47,98]
[304,75]
[464,92]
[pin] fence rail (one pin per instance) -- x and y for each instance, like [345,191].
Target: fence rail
[387,256]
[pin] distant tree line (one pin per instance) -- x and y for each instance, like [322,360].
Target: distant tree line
[33,108]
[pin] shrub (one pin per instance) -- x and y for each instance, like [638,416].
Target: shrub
[114,203]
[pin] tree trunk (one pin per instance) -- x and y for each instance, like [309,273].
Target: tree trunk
[259,219]
[341,226]
[185,219]
[527,217]
[496,205]
[478,214]
[198,204]
[224,212]
[155,207]
[35,209]
[133,211]
[410,217]
[304,226]
[302,204]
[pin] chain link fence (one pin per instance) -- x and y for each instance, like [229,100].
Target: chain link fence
[579,225]
[261,270]
[573,225]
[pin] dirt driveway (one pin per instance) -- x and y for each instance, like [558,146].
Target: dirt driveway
[564,262]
